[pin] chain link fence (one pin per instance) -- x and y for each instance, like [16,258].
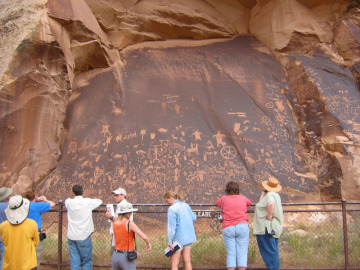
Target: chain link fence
[315,236]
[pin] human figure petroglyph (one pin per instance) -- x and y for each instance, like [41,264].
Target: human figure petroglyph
[105,130]
[197,135]
[219,138]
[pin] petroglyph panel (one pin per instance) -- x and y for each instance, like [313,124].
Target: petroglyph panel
[340,94]
[211,121]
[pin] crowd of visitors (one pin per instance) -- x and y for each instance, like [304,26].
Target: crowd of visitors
[21,230]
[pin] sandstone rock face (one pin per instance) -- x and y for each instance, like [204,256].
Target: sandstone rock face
[184,95]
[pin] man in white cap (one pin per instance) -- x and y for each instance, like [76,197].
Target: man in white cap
[80,228]
[19,235]
[120,198]
[5,194]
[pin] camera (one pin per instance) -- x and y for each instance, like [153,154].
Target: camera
[220,218]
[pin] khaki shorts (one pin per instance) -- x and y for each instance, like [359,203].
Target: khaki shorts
[183,247]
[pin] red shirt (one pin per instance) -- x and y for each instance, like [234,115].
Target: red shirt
[234,208]
[124,240]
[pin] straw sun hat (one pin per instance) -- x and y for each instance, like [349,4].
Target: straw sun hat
[272,185]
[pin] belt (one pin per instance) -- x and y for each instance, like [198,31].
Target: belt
[122,251]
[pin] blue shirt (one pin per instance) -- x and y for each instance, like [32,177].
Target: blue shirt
[36,209]
[180,227]
[3,206]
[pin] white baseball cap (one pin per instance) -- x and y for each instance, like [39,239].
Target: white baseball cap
[119,191]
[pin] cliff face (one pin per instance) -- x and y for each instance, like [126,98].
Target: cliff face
[187,95]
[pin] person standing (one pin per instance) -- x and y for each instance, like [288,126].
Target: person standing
[5,194]
[124,233]
[268,223]
[80,228]
[120,198]
[235,225]
[19,235]
[38,205]
[180,228]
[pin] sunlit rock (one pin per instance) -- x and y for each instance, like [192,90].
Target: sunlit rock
[184,95]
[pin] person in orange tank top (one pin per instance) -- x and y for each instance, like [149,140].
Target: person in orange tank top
[124,233]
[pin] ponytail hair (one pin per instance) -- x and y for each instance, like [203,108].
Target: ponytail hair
[172,194]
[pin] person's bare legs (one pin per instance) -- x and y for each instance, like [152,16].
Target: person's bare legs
[174,259]
[186,254]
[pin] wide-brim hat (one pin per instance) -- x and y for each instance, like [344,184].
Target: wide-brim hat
[272,185]
[119,191]
[4,193]
[17,210]
[125,207]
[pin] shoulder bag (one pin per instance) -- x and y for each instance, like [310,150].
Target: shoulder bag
[131,254]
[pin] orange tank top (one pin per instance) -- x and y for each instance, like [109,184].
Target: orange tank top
[124,240]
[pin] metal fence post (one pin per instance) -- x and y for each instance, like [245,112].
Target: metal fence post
[60,234]
[346,247]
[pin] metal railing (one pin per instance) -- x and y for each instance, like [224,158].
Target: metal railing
[315,236]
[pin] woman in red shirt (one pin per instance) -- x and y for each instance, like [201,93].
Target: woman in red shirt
[124,233]
[235,225]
